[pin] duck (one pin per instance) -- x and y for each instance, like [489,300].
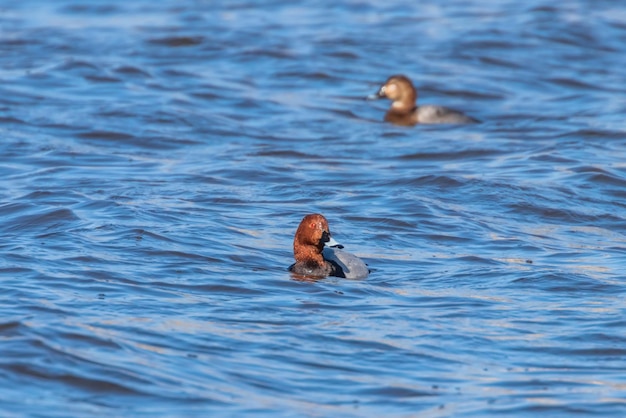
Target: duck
[404,110]
[318,255]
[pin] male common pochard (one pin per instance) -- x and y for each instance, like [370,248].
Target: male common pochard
[318,255]
[404,110]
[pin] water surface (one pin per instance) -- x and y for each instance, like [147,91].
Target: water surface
[157,158]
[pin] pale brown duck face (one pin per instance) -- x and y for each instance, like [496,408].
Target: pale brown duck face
[400,91]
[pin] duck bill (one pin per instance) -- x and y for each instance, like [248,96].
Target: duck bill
[379,95]
[332,243]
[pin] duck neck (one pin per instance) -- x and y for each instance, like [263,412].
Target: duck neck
[402,108]
[406,104]
[309,254]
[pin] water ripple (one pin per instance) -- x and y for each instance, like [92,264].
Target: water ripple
[159,156]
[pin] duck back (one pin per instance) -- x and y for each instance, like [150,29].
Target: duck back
[352,266]
[440,114]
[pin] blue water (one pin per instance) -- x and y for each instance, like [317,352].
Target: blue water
[157,157]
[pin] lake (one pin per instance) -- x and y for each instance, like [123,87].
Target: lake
[158,156]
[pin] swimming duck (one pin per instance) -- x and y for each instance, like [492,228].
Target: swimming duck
[318,255]
[404,110]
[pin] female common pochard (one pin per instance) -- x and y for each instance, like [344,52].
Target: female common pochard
[318,255]
[404,110]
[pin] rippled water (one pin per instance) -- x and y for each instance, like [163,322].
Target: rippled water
[157,158]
